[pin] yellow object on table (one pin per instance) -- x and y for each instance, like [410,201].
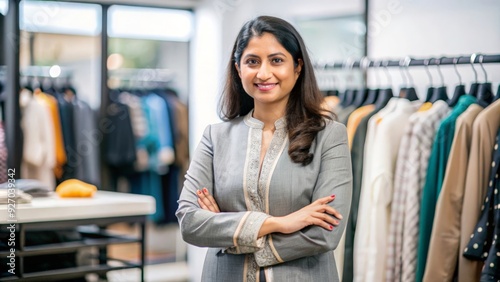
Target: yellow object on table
[75,188]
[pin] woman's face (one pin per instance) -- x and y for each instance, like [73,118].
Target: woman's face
[267,71]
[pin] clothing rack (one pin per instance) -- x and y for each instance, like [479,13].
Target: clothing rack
[54,71]
[141,77]
[408,61]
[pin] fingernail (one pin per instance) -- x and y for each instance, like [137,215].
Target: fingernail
[331,227]
[340,216]
[198,191]
[333,196]
[205,190]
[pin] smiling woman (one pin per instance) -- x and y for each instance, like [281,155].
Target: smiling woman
[267,189]
[268,74]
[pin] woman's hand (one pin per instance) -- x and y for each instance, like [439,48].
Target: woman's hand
[317,213]
[206,201]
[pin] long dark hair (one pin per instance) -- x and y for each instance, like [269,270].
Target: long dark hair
[304,115]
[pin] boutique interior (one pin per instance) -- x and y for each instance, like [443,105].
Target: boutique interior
[107,73]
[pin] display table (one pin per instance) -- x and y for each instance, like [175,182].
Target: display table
[90,216]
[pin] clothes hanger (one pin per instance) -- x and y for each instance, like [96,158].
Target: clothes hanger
[484,92]
[362,93]
[411,94]
[440,93]
[474,86]
[459,89]
[373,91]
[402,90]
[342,98]
[333,91]
[349,92]
[430,89]
[385,94]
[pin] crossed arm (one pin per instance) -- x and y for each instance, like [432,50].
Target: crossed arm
[317,213]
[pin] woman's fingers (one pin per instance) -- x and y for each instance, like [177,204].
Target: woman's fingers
[206,201]
[326,208]
[333,212]
[324,220]
[202,205]
[324,200]
[211,199]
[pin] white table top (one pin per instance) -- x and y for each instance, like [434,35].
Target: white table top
[103,204]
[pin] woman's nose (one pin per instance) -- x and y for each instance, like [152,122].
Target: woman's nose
[264,72]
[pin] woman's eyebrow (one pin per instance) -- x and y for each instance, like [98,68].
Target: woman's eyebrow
[251,55]
[276,54]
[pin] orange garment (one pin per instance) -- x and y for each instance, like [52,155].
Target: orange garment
[425,106]
[354,120]
[75,188]
[51,104]
[330,103]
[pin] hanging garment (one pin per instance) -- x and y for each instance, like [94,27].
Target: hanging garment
[170,181]
[434,180]
[39,158]
[413,154]
[159,115]
[330,103]
[370,241]
[478,171]
[3,155]
[445,238]
[358,163]
[66,114]
[354,120]
[88,139]
[60,154]
[181,125]
[158,144]
[484,244]
[343,115]
[119,142]
[137,117]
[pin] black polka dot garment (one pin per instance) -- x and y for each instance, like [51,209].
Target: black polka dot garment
[484,244]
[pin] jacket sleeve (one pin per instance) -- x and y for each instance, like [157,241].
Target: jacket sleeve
[235,231]
[335,177]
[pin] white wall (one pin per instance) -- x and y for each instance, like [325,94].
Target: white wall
[430,28]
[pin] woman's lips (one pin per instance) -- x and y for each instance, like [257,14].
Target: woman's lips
[266,86]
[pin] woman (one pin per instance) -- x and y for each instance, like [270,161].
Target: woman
[267,189]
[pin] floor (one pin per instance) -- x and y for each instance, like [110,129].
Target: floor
[166,272]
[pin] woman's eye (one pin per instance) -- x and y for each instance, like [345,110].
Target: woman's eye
[252,62]
[277,60]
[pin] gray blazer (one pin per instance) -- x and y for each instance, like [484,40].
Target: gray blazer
[226,162]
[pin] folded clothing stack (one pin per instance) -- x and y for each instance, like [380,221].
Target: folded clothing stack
[32,187]
[19,198]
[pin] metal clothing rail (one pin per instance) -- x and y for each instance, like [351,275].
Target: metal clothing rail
[143,75]
[408,61]
[46,71]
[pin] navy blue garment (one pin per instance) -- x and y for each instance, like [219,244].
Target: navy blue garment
[66,113]
[484,244]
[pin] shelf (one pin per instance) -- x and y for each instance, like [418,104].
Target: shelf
[75,272]
[98,239]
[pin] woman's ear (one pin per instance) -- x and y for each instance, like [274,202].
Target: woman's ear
[237,69]
[298,67]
